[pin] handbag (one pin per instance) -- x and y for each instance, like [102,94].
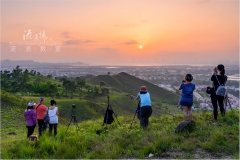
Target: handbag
[46,118]
[221,91]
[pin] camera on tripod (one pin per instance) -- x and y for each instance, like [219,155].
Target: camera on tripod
[73,112]
[73,106]
[74,119]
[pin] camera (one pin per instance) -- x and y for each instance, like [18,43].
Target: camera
[73,106]
[215,70]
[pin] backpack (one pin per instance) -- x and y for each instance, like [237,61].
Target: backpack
[108,118]
[33,137]
[189,125]
[221,91]
[46,118]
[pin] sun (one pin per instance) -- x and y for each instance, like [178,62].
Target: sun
[140,46]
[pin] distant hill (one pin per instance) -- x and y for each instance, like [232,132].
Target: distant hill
[121,86]
[32,63]
[130,84]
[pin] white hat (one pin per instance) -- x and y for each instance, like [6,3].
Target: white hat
[30,104]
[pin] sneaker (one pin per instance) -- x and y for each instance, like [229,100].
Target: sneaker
[214,122]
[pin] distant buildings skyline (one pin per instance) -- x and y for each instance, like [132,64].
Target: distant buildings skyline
[24,62]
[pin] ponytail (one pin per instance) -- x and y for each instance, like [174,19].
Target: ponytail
[223,72]
[221,68]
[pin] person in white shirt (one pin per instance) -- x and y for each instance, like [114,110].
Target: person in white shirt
[53,117]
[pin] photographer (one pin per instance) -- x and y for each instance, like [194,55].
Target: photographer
[145,106]
[218,79]
[186,100]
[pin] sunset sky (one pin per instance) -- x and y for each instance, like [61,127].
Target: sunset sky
[110,32]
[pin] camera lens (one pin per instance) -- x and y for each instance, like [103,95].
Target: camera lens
[73,106]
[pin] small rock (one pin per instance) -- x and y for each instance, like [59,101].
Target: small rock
[150,155]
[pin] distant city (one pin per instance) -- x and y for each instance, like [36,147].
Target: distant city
[168,77]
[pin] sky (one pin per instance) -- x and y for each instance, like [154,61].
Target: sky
[121,32]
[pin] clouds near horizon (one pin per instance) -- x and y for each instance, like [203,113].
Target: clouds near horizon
[111,31]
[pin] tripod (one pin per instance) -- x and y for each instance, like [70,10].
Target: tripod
[73,113]
[109,110]
[225,101]
[138,108]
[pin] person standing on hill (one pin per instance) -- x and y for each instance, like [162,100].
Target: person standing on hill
[53,116]
[31,119]
[145,106]
[186,100]
[218,78]
[41,111]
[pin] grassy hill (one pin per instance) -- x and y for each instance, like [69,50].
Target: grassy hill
[207,140]
[12,108]
[130,84]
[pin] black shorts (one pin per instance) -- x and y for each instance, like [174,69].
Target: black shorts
[188,104]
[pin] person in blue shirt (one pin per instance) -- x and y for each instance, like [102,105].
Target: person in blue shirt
[186,100]
[145,106]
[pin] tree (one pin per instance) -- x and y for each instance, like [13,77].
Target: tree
[16,73]
[96,90]
[88,87]
[25,75]
[52,89]
[102,84]
[80,82]
[66,86]
[105,91]
[5,80]
[49,76]
[72,88]
[37,80]
[32,72]
[69,86]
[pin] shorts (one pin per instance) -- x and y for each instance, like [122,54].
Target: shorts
[188,104]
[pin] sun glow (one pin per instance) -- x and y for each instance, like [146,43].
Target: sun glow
[140,47]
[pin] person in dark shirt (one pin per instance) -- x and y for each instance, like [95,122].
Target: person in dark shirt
[218,77]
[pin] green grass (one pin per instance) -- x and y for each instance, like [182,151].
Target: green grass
[122,142]
[13,107]
[130,84]
[87,109]
[117,141]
